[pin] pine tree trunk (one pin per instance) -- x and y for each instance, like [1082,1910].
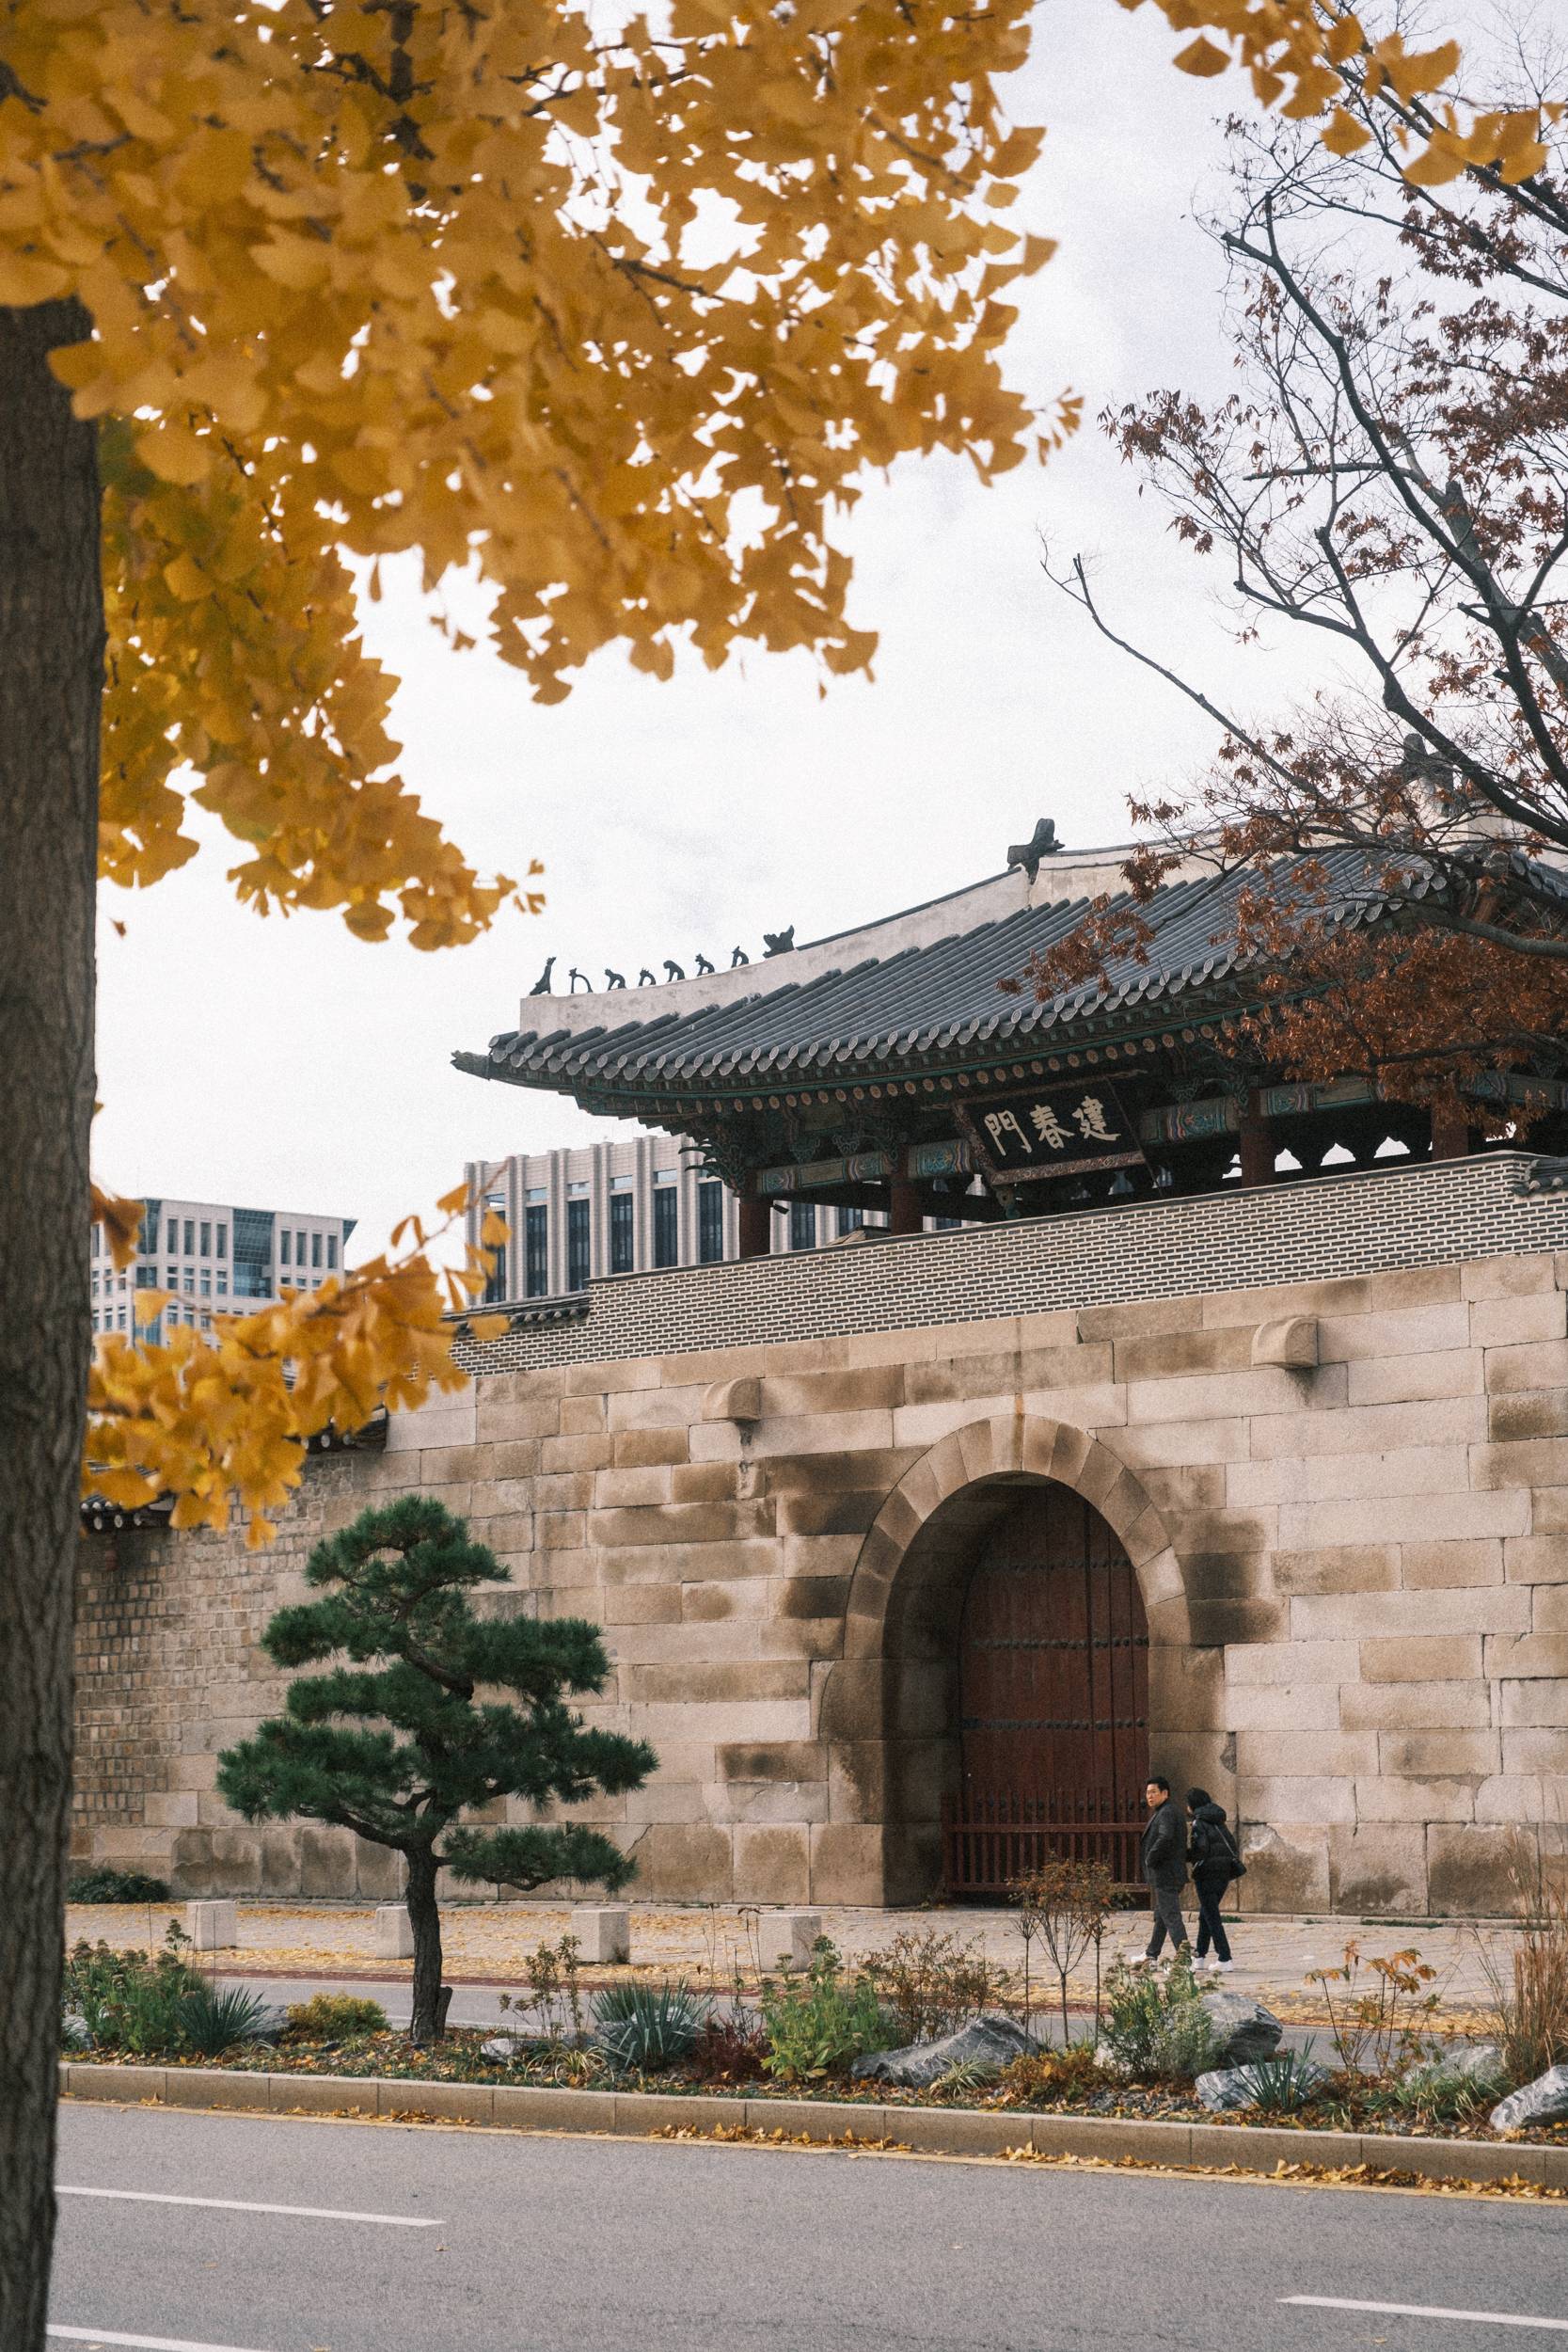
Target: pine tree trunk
[50,677]
[424,1918]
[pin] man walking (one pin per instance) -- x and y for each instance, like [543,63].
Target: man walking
[1163,1857]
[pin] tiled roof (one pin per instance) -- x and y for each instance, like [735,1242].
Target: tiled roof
[920,1002]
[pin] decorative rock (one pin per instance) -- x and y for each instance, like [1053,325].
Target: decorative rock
[989,2040]
[211,1927]
[787,1938]
[74,2032]
[1227,2088]
[393,1933]
[603,1931]
[1472,2059]
[1244,2030]
[504,2046]
[1544,2101]
[271,2025]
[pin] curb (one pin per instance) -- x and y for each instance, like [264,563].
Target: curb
[937,2130]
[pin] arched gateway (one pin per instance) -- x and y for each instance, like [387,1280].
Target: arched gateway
[1052,1698]
[1014,1617]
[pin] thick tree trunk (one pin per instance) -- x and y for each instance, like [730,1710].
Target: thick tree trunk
[430,2012]
[50,677]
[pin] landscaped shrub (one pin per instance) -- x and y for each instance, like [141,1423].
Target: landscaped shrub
[1156,2027]
[335,2017]
[115,1886]
[732,2047]
[210,2020]
[930,1984]
[154,2004]
[1530,1997]
[1066,1906]
[1379,2009]
[1073,2071]
[1282,2085]
[648,2027]
[816,2022]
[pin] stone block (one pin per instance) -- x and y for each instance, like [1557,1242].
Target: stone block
[1540,1364]
[1285,1706]
[1432,1566]
[1540,1559]
[1405,1706]
[1408,1379]
[849,1864]
[1412,1617]
[1404,1518]
[1535,1705]
[1432,1800]
[786,1939]
[1417,1754]
[1280,1755]
[1293,1662]
[1470,1871]
[1377,1866]
[1520,1322]
[1549,1610]
[772,1863]
[1526,1462]
[213,1926]
[1529,1752]
[684,1862]
[1294,1799]
[1153,1355]
[1527,1657]
[1393,1331]
[603,1931]
[1299,1434]
[1527,1413]
[1403,1657]
[1507,1277]
[392,1932]
[1284,1873]
[1341,1568]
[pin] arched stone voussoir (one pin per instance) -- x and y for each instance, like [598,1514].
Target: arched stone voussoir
[1014,1449]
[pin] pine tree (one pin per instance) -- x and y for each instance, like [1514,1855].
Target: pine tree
[395,1746]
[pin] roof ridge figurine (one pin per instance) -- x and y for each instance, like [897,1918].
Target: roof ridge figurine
[542,985]
[779,943]
[1041,843]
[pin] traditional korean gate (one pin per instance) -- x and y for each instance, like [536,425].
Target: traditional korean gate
[1053,1708]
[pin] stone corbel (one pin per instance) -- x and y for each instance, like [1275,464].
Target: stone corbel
[740,1401]
[1292,1342]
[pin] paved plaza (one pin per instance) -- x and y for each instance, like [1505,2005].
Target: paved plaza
[490,1943]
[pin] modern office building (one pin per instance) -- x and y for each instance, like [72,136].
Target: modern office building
[625,1206]
[216,1260]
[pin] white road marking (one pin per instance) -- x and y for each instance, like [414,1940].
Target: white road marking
[1425,2311]
[147,2343]
[240,2204]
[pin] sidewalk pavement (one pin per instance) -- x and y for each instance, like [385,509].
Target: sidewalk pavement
[489,1945]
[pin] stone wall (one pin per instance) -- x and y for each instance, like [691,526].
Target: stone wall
[1346,1501]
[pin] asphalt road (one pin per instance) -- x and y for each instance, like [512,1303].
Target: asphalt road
[447,2241]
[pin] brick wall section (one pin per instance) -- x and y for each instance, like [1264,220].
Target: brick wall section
[1356,1575]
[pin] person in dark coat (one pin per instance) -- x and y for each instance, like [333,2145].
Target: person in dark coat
[1163,1858]
[1211,1852]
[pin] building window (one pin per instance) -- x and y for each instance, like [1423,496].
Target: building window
[206,1240]
[851,1220]
[147,1238]
[536,1244]
[223,1285]
[299,1250]
[579,1257]
[283,1241]
[206,1283]
[315,1250]
[97,1237]
[332,1253]
[802,1225]
[147,1277]
[667,1226]
[190,1237]
[623,1232]
[223,1241]
[710,1223]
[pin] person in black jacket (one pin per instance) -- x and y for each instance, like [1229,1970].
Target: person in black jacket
[1212,1850]
[1163,1857]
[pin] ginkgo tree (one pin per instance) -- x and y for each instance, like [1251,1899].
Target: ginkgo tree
[614,312]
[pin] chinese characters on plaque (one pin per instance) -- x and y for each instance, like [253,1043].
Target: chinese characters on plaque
[1053,1131]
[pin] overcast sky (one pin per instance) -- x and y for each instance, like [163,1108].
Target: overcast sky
[284,1065]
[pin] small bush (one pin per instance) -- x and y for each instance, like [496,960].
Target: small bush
[1282,2085]
[209,2022]
[115,1886]
[729,2048]
[931,1984]
[1156,2027]
[1437,2092]
[130,2001]
[1073,2071]
[648,2027]
[817,2022]
[335,2017]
